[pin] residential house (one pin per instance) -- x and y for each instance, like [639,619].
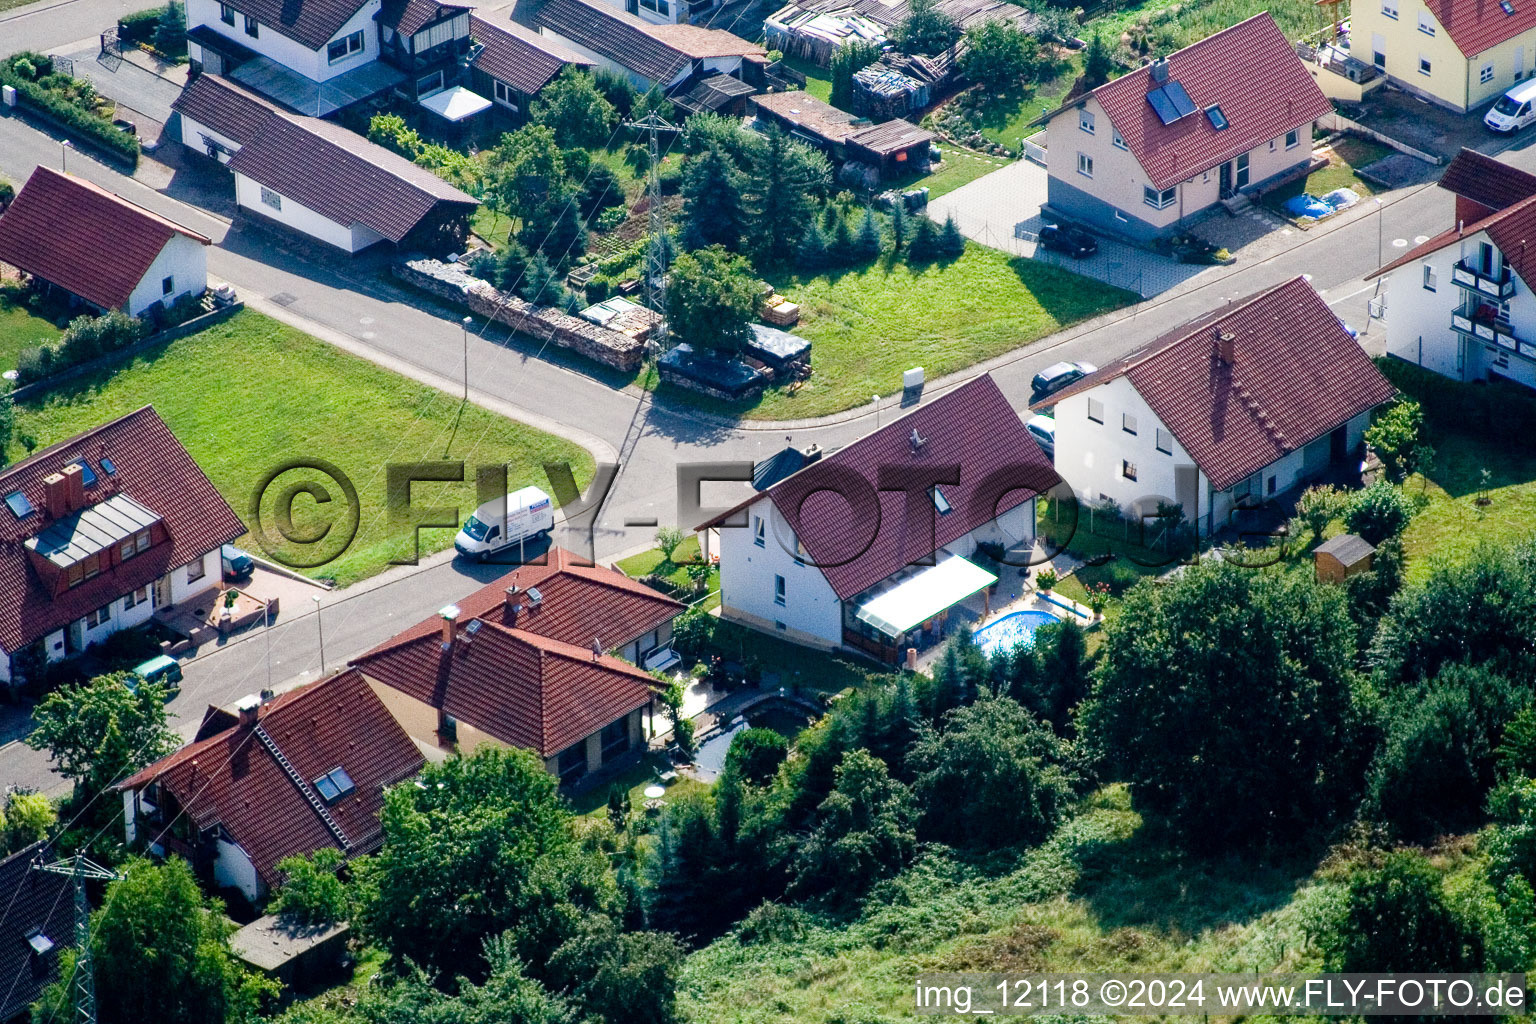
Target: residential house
[217,116]
[868,548]
[663,56]
[426,39]
[893,148]
[303,771]
[1461,303]
[511,64]
[1225,413]
[39,919]
[523,662]
[1455,53]
[100,248]
[1146,154]
[97,533]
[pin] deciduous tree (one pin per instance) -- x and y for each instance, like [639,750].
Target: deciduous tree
[711,299]
[100,732]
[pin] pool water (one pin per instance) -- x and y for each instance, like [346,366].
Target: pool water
[782,716]
[1011,630]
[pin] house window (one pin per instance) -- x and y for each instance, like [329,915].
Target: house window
[1128,423]
[1485,73]
[1430,281]
[1242,172]
[195,571]
[759,532]
[1085,120]
[270,198]
[505,95]
[778,591]
[100,617]
[227,15]
[615,738]
[134,545]
[447,727]
[1274,144]
[1085,165]
[136,597]
[167,284]
[1269,486]
[1379,59]
[1426,23]
[659,6]
[341,49]
[1115,138]
[940,502]
[1159,200]
[1128,469]
[334,785]
[251,27]
[429,84]
[572,762]
[1095,410]
[1292,138]
[1389,8]
[1424,66]
[1164,441]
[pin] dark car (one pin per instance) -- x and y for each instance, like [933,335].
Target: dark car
[1072,241]
[1057,376]
[236,564]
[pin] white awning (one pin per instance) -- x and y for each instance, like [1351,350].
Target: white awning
[455,104]
[923,595]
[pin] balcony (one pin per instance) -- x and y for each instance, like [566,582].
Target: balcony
[1499,285]
[1484,326]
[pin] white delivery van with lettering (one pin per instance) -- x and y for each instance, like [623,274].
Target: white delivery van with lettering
[523,516]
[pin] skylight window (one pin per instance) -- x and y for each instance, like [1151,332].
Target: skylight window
[87,475]
[107,467]
[1218,119]
[39,942]
[334,785]
[940,502]
[1508,7]
[18,504]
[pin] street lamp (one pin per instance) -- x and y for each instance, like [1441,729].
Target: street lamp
[320,625]
[266,621]
[466,323]
[64,148]
[1380,250]
[876,400]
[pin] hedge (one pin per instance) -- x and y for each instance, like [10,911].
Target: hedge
[71,117]
[1494,409]
[86,338]
[140,26]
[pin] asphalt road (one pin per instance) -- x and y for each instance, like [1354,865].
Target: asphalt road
[349,304]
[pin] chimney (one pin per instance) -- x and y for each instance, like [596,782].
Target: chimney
[511,603]
[75,492]
[597,649]
[248,708]
[1226,346]
[450,614]
[1160,70]
[812,454]
[56,495]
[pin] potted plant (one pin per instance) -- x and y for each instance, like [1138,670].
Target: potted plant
[1046,580]
[1098,598]
[698,572]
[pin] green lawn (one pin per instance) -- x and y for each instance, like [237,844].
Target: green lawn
[1452,524]
[251,394]
[1005,117]
[818,81]
[1344,156]
[675,571]
[870,324]
[959,166]
[20,329]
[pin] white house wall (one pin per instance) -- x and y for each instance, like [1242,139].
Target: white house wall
[811,613]
[234,869]
[183,260]
[269,42]
[183,587]
[293,215]
[195,137]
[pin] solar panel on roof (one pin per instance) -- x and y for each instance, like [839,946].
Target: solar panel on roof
[1180,99]
[1218,119]
[1163,106]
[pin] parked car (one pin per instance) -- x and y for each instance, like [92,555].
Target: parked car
[1075,242]
[236,564]
[1514,110]
[1057,376]
[161,669]
[1043,430]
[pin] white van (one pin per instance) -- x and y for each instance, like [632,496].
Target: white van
[1514,110]
[527,515]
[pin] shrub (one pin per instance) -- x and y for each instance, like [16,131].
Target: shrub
[693,632]
[669,539]
[1378,512]
[140,26]
[683,734]
[85,339]
[612,217]
[72,115]
[313,893]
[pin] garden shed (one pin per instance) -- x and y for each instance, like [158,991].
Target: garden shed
[1341,557]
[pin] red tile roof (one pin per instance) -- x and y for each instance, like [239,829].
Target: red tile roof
[232,779]
[1296,374]
[152,468]
[615,34]
[1486,180]
[531,680]
[522,59]
[972,427]
[1262,87]
[31,902]
[342,176]
[83,238]
[1478,25]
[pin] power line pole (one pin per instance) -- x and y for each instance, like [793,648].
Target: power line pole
[80,868]
[655,269]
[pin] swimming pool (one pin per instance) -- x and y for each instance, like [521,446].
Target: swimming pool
[1011,630]
[782,716]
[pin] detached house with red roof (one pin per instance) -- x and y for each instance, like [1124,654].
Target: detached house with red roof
[300,772]
[1459,54]
[99,531]
[869,548]
[526,661]
[1238,407]
[1145,154]
[1461,303]
[100,248]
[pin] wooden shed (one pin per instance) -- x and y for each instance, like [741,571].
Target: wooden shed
[1343,556]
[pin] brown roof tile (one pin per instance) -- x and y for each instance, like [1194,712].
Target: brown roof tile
[31,902]
[522,59]
[220,104]
[1477,25]
[616,35]
[1263,89]
[1487,180]
[311,22]
[411,16]
[231,778]
[82,238]
[1296,375]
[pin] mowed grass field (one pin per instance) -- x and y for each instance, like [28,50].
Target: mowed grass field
[251,396]
[20,329]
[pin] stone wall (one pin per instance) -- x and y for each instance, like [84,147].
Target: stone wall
[454,283]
